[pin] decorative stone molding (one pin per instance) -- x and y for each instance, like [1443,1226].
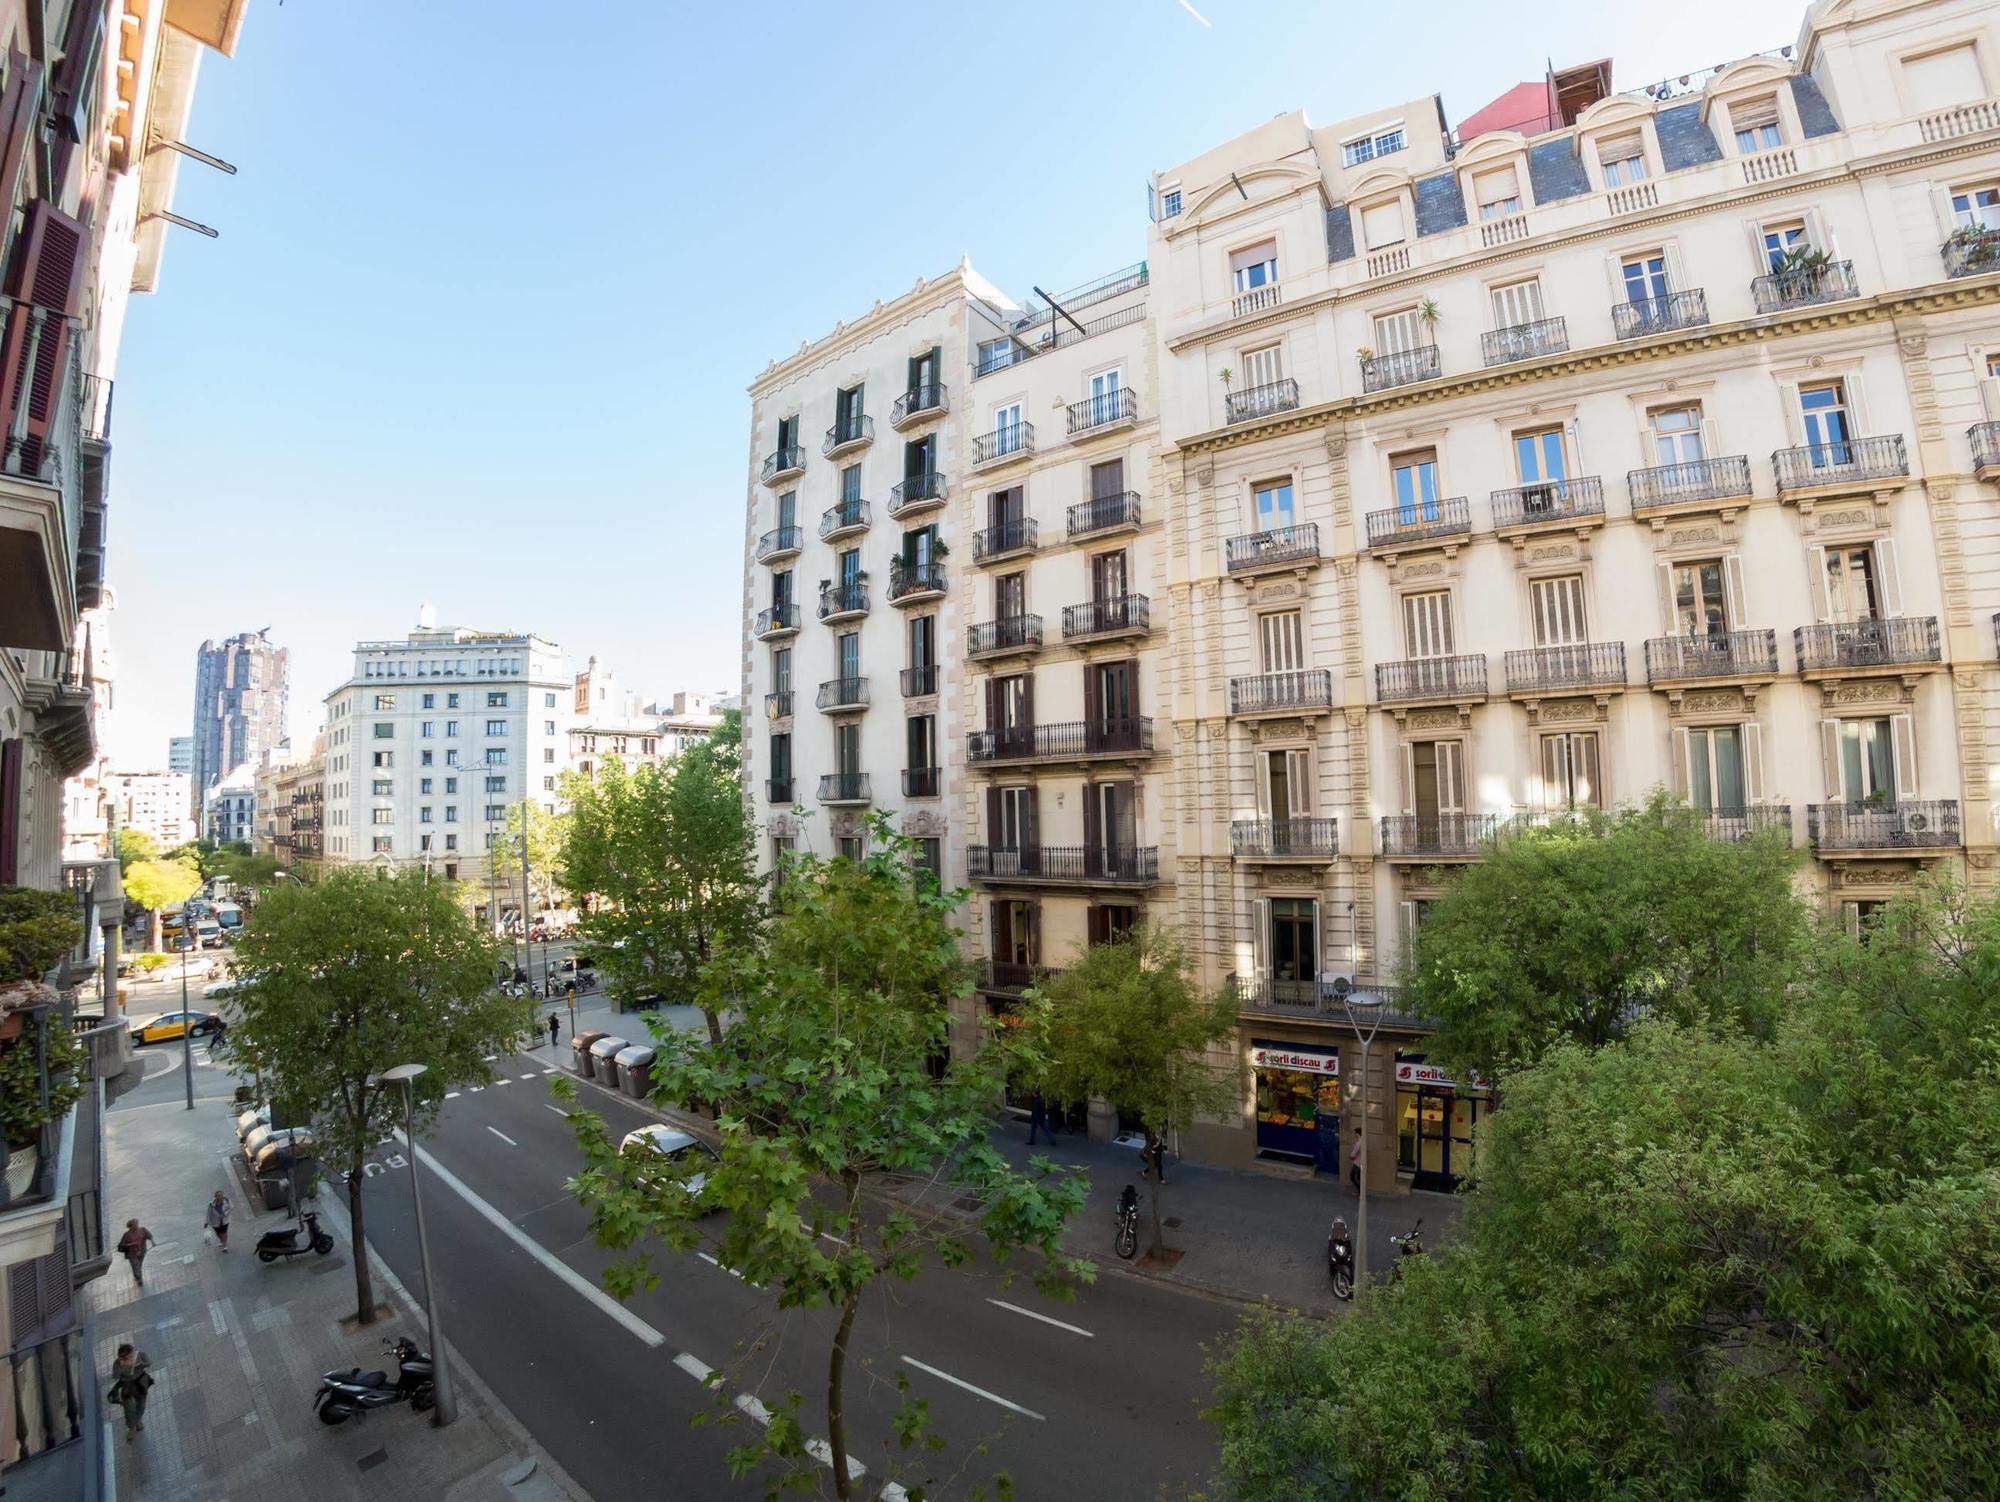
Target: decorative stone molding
[1838,695]
[923,821]
[1431,568]
[1707,529]
[1435,719]
[1265,731]
[1592,711]
[1276,591]
[1713,701]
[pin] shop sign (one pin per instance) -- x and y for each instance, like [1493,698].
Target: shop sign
[1303,1060]
[1409,1073]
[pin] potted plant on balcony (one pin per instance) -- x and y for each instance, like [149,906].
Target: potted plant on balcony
[1427,315]
[1975,246]
[1364,354]
[36,930]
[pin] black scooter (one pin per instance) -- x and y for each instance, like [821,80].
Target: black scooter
[275,1244]
[1340,1259]
[343,1395]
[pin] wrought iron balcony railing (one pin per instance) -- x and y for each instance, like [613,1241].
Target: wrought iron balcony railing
[1013,976]
[1294,689]
[1267,400]
[1127,736]
[778,704]
[1840,462]
[1597,664]
[1296,838]
[777,618]
[848,598]
[1738,824]
[1803,286]
[844,787]
[1122,865]
[1693,480]
[1106,410]
[1403,367]
[1660,315]
[1275,548]
[1005,540]
[1399,526]
[1431,678]
[918,403]
[1314,996]
[914,492]
[785,461]
[1971,252]
[1724,654]
[1013,441]
[1010,633]
[920,681]
[1437,834]
[1985,440]
[1112,617]
[842,519]
[1930,825]
[910,579]
[1524,341]
[778,789]
[849,433]
[1104,513]
[779,542]
[843,693]
[1880,641]
[921,782]
[1551,502]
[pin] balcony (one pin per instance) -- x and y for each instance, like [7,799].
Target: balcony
[1104,514]
[1065,865]
[1549,503]
[778,789]
[921,782]
[1454,679]
[844,520]
[837,788]
[1696,483]
[918,682]
[1537,672]
[1101,620]
[1010,539]
[1012,977]
[1883,828]
[847,435]
[1841,466]
[844,601]
[1726,655]
[1971,251]
[1839,647]
[1003,445]
[1283,996]
[914,582]
[778,544]
[777,620]
[1433,837]
[1985,440]
[1403,367]
[915,493]
[1105,413]
[838,695]
[778,704]
[917,405]
[1009,635]
[1804,287]
[1256,300]
[1297,691]
[1078,740]
[1524,341]
[783,464]
[1267,400]
[1293,839]
[1660,315]
[1402,527]
[1279,548]
[1735,825]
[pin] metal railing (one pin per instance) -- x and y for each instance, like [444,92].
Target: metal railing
[1971,252]
[920,782]
[1449,517]
[1738,824]
[1010,633]
[1803,286]
[1880,641]
[1659,315]
[784,461]
[1104,513]
[1106,617]
[1929,825]
[1295,688]
[1297,838]
[1437,834]
[1267,400]
[1125,865]
[908,577]
[844,787]
[918,682]
[96,417]
[777,618]
[1010,442]
[912,491]
[1076,299]
[1431,678]
[1280,545]
[778,704]
[1103,410]
[1314,996]
[1524,341]
[1401,367]
[918,401]
[1551,501]
[778,540]
[1840,461]
[1017,536]
[857,429]
[1013,975]
[778,789]
[847,598]
[1723,654]
[1692,480]
[1985,440]
[1597,664]
[843,693]
[1130,736]
[846,516]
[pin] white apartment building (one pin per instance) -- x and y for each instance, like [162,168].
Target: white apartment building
[154,803]
[229,807]
[431,739]
[611,721]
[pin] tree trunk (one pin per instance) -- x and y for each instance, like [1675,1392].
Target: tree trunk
[364,1282]
[1157,1161]
[153,930]
[714,1028]
[836,1417]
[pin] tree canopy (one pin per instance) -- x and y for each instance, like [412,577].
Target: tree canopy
[157,884]
[135,845]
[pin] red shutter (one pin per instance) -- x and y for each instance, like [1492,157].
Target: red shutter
[18,103]
[10,812]
[47,271]
[48,263]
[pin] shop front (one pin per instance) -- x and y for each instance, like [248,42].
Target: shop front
[1298,1102]
[1437,1125]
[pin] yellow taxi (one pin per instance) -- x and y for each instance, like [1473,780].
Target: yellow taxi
[170,1025]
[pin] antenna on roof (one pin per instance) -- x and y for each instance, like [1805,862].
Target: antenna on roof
[1239,186]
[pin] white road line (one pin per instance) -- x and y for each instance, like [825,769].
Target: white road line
[713,1263]
[451,1095]
[503,1080]
[490,1058]
[1031,1314]
[749,1404]
[695,1367]
[527,1076]
[557,1109]
[978,1391]
[545,1071]
[503,1136]
[609,1306]
[474,1089]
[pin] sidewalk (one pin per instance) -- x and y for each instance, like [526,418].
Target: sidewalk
[237,1347]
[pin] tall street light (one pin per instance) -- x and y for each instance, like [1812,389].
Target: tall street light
[1361,1006]
[444,1410]
[187,1027]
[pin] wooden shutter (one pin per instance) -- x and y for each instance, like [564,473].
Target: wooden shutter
[1682,751]
[993,824]
[1517,304]
[18,105]
[1903,747]
[1028,701]
[1547,775]
[1451,777]
[47,271]
[1298,782]
[1669,615]
[1850,919]
[1409,778]
[1816,581]
[1829,748]
[1131,666]
[1031,816]
[993,720]
[1753,763]
[1096,927]
[82,47]
[1732,590]
[1889,581]
[1093,711]
[1407,935]
[1586,768]
[1093,824]
[1260,935]
[10,812]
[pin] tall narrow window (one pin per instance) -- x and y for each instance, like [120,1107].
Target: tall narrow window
[1281,635]
[1867,761]
[1538,456]
[1010,596]
[1516,304]
[1700,607]
[1437,779]
[1623,159]
[1262,367]
[1415,478]
[1646,278]
[1007,428]
[1851,591]
[1274,505]
[1569,770]
[1558,611]
[1677,436]
[1715,770]
[1427,624]
[1295,944]
[1498,193]
[1781,240]
[1823,416]
[1398,332]
[1977,207]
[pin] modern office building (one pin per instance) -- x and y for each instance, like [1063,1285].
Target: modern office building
[180,754]
[241,692]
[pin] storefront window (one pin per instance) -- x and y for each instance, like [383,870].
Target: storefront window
[1437,1125]
[1298,1102]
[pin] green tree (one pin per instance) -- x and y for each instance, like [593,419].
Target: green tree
[1701,1264]
[546,835]
[667,856]
[352,976]
[135,845]
[161,884]
[1128,1023]
[832,1077]
[1571,929]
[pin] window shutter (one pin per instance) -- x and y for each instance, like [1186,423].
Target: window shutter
[993,824]
[995,932]
[1890,585]
[10,811]
[1583,759]
[1903,741]
[1298,782]
[1547,774]
[1031,817]
[1668,615]
[1947,217]
[1260,935]
[48,272]
[1132,687]
[1816,580]
[1253,255]
[1028,700]
[992,704]
[1676,273]
[1850,919]
[1260,774]
[1406,936]
[48,262]
[1677,770]
[1034,933]
[1711,438]
[1788,402]
[18,104]
[1732,587]
[1092,713]
[1829,747]
[1093,825]
[1818,236]
[1409,778]
[1451,777]
[1759,256]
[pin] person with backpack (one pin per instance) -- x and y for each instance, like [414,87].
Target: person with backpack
[131,1380]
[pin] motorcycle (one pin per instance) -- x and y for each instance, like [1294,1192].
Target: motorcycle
[1340,1260]
[1127,1242]
[343,1395]
[286,1243]
[1411,1245]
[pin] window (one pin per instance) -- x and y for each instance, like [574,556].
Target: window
[1516,304]
[1285,788]
[496,700]
[1645,277]
[1824,419]
[1569,771]
[1384,140]
[548,784]
[548,755]
[1977,207]
[548,701]
[497,784]
[451,757]
[382,816]
[423,786]
[1170,203]
[496,727]
[384,729]
[1700,605]
[1398,331]
[1498,193]
[427,728]
[451,701]
[1755,122]
[1677,435]
[1262,367]
[424,814]
[383,788]
[384,844]
[1435,772]
[1781,240]
[1415,479]
[930,856]
[922,640]
[1382,224]
[1255,267]
[848,847]
[922,743]
[1716,769]
[494,813]
[1867,759]
[1295,942]
[1623,159]
[450,729]
[1538,456]
[451,784]
[1108,923]
[1274,505]
[451,813]
[1007,434]
[548,727]
[1281,635]
[1558,611]
[451,843]
[424,758]
[1427,623]
[430,701]
[385,758]
[1851,588]
[385,701]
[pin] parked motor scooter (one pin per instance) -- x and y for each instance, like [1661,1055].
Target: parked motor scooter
[286,1243]
[1340,1259]
[343,1395]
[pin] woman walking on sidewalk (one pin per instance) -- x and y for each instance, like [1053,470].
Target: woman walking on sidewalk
[132,1246]
[131,1379]
[216,1218]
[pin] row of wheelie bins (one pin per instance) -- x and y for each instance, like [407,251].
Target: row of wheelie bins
[613,1061]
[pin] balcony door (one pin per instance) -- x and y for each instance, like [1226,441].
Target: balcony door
[1539,457]
[1852,593]
[1645,278]
[1007,428]
[847,748]
[1716,773]
[1977,208]
[1013,830]
[1111,827]
[781,670]
[1558,610]
[923,643]
[1281,636]
[1398,333]
[1284,789]
[1701,606]
[1824,419]
[1016,937]
[848,649]
[1435,773]
[1107,577]
[1262,367]
[920,549]
[781,591]
[1517,304]
[1111,695]
[850,571]
[1427,632]
[1005,510]
[1107,480]
[1677,436]
[926,371]
[1294,941]
[920,457]
[1010,596]
[1570,771]
[1274,506]
[788,510]
[1104,390]
[1415,477]
[788,433]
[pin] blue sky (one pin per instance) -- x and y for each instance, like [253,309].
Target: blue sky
[487,295]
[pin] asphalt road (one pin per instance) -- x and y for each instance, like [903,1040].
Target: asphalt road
[1100,1397]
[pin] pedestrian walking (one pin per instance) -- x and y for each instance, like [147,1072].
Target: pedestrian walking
[131,1380]
[215,1035]
[548,985]
[1354,1162]
[1038,1120]
[132,1246]
[216,1218]
[555,1029]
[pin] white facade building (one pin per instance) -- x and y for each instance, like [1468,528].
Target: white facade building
[154,803]
[229,807]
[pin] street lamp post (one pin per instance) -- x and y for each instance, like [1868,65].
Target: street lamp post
[444,1410]
[1358,1006]
[187,1028]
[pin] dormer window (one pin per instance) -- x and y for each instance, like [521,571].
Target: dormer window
[1755,122]
[1382,225]
[1380,142]
[1498,193]
[1623,160]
